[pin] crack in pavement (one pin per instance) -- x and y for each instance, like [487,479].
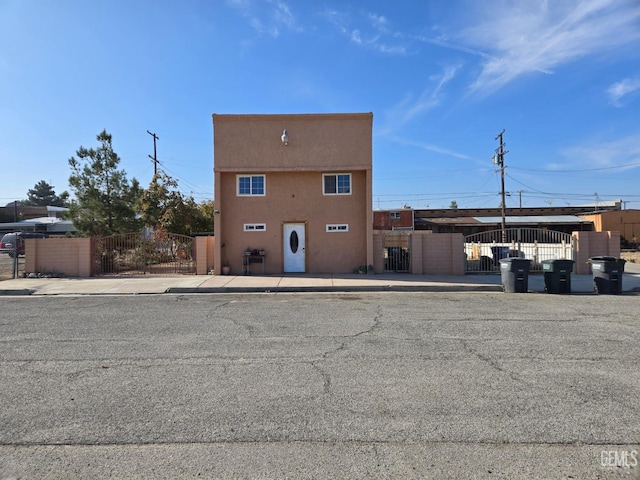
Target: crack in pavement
[494,364]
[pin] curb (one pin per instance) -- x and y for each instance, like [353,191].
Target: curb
[23,291]
[334,289]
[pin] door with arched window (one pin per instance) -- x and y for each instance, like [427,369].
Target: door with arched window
[294,239]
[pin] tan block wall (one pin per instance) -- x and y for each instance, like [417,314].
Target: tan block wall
[593,244]
[69,256]
[378,252]
[431,253]
[443,253]
[204,251]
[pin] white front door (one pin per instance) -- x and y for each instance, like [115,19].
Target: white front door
[293,235]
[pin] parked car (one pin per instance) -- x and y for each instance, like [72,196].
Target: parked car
[13,243]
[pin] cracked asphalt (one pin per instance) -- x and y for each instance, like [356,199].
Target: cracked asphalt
[367,385]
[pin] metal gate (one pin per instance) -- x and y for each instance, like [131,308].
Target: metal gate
[397,257]
[483,251]
[157,252]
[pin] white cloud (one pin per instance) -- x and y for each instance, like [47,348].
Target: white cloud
[431,96]
[379,22]
[525,37]
[621,153]
[431,147]
[369,31]
[269,18]
[622,88]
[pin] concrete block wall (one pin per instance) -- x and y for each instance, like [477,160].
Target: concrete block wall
[431,253]
[69,256]
[204,252]
[443,254]
[593,244]
[378,252]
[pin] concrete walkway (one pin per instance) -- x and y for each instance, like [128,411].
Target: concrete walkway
[123,284]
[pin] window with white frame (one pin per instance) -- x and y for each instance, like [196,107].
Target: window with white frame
[255,227]
[394,215]
[248,185]
[336,183]
[337,227]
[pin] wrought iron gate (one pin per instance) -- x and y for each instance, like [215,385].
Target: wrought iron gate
[156,252]
[483,251]
[397,257]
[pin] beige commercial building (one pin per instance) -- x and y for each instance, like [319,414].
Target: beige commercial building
[293,192]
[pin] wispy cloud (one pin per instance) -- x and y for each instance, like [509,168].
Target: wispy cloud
[430,147]
[623,88]
[622,153]
[268,17]
[368,30]
[431,96]
[524,37]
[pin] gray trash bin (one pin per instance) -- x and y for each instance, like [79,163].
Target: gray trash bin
[607,274]
[557,275]
[515,274]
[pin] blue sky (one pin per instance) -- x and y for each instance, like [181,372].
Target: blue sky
[442,79]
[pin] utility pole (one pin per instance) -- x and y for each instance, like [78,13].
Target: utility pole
[520,194]
[154,158]
[498,159]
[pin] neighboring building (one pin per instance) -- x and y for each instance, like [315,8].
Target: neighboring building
[400,219]
[627,222]
[469,221]
[17,212]
[297,188]
[38,219]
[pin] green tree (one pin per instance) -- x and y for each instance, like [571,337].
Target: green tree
[190,217]
[105,200]
[162,206]
[43,194]
[453,205]
[205,220]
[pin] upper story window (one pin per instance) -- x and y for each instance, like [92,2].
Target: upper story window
[250,185]
[394,215]
[336,184]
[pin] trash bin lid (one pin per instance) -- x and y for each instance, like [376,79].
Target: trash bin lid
[604,258]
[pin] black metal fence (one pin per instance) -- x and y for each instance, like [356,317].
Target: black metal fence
[397,257]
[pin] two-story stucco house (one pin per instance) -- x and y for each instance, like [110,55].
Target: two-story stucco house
[295,188]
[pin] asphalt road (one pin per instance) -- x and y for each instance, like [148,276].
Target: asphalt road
[393,385]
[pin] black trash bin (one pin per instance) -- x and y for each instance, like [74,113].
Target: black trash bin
[557,275]
[607,274]
[515,274]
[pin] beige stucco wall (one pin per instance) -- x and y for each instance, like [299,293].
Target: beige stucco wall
[331,143]
[251,143]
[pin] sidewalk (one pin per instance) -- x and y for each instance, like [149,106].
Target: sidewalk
[183,284]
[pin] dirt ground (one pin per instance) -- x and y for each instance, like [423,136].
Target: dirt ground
[6,266]
[632,257]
